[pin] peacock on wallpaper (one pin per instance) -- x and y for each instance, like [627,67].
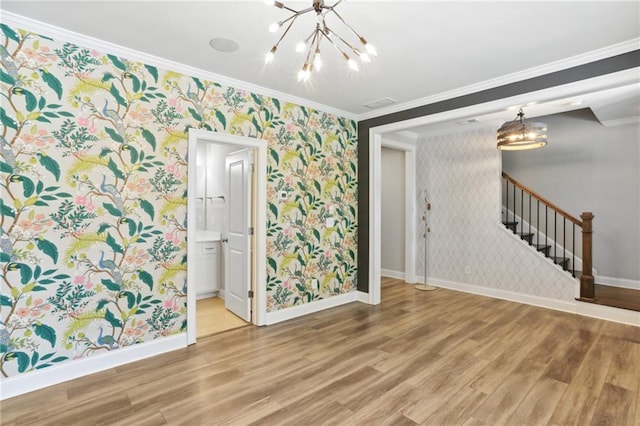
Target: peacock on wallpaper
[93,176]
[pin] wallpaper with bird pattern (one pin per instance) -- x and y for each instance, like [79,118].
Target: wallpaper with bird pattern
[93,210]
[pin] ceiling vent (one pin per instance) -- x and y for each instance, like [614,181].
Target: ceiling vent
[468,121]
[380,103]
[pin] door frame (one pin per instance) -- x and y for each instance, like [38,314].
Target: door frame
[375,211]
[410,241]
[259,255]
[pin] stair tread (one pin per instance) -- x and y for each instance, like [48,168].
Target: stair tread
[543,248]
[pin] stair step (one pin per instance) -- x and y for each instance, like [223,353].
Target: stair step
[511,226]
[562,261]
[527,236]
[544,248]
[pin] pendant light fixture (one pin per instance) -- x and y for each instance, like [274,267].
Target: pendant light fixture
[520,134]
[311,45]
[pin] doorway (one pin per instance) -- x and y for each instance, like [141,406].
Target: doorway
[206,238]
[392,215]
[375,231]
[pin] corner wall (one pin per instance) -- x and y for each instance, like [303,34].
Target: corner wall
[94,160]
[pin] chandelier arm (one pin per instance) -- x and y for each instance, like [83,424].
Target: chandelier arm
[286,30]
[353,49]
[346,25]
[303,11]
[294,16]
[318,39]
[334,45]
[315,36]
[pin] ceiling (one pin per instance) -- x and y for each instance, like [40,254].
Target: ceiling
[425,48]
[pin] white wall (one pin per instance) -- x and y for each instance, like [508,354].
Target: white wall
[467,244]
[393,211]
[211,183]
[589,167]
[216,185]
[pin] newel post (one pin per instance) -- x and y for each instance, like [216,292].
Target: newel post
[586,280]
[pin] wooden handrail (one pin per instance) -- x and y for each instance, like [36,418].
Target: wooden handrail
[544,200]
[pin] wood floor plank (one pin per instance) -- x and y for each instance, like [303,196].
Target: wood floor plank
[538,405]
[508,396]
[432,358]
[457,408]
[576,407]
[616,406]
[637,418]
[624,372]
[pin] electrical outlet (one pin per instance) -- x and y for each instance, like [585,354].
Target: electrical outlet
[330,222]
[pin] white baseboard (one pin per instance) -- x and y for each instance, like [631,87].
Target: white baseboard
[38,379]
[618,282]
[363,297]
[623,316]
[207,294]
[309,308]
[392,274]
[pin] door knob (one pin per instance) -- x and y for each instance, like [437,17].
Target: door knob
[225,240]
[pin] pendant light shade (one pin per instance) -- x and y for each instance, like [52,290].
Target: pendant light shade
[519,134]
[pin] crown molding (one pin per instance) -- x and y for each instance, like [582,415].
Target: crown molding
[551,67]
[63,34]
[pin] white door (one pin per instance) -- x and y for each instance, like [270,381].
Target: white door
[238,239]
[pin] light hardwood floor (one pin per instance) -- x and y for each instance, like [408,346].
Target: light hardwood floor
[432,358]
[212,317]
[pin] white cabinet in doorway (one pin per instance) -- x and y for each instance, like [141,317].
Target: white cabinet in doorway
[207,269]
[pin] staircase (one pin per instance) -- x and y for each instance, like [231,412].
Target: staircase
[560,237]
[543,248]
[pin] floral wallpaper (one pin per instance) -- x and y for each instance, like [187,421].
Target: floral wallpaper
[93,209]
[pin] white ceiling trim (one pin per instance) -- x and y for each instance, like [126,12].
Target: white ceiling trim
[63,34]
[595,55]
[576,88]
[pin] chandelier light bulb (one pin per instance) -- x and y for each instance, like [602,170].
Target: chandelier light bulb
[353,65]
[275,3]
[300,47]
[269,57]
[304,74]
[274,27]
[363,56]
[317,62]
[370,49]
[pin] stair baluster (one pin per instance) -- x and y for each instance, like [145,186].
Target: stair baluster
[566,263]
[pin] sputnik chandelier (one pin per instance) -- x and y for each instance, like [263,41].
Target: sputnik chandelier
[311,45]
